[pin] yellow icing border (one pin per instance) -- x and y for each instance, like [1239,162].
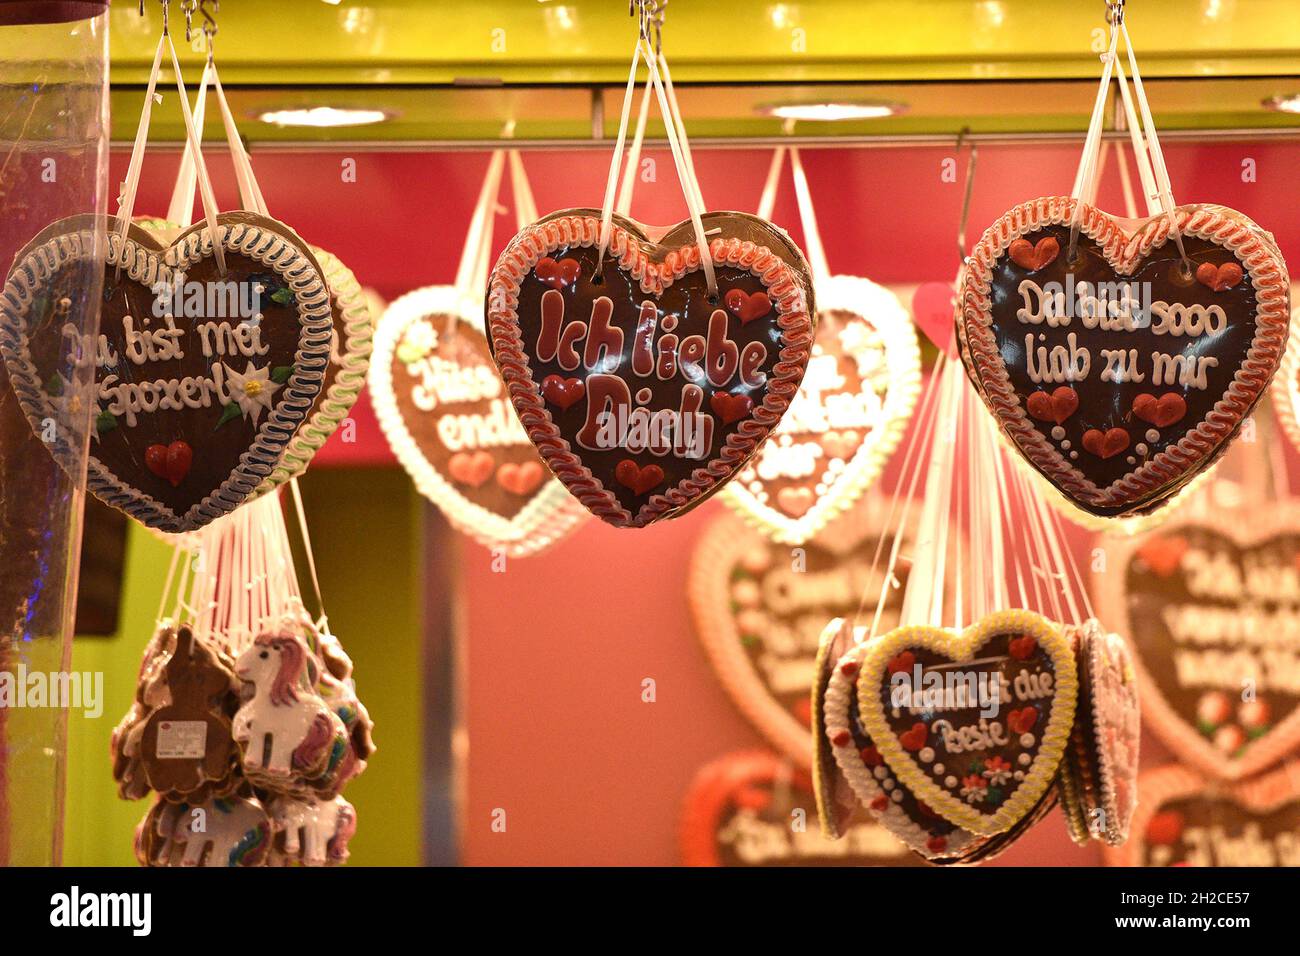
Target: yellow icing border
[959,648]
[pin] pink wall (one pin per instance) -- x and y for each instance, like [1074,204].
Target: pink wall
[559,644]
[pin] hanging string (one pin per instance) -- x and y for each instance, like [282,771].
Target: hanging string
[767,199]
[607,207]
[812,237]
[624,204]
[1091,144]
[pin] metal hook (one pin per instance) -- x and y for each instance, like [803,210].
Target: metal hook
[209,22]
[1115,12]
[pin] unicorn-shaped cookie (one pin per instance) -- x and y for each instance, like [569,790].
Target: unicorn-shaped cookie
[286,731]
[316,832]
[228,831]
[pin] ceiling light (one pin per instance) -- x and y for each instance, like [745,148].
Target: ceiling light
[324,116]
[832,111]
[1284,104]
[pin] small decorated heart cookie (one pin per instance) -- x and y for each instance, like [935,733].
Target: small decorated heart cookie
[1184,819]
[199,378]
[848,417]
[1121,375]
[1099,772]
[1209,603]
[445,412]
[879,789]
[973,723]
[643,392]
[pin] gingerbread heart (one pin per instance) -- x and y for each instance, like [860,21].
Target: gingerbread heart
[758,613]
[229,364]
[1123,319]
[1183,819]
[863,766]
[943,724]
[445,413]
[847,419]
[1206,603]
[1099,773]
[653,352]
[751,809]
[351,338]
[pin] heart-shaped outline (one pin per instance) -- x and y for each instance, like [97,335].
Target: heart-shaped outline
[653,275]
[551,513]
[1173,730]
[880,309]
[1124,251]
[144,257]
[720,548]
[336,403]
[961,648]
[1163,785]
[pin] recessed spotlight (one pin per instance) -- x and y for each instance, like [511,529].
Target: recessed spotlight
[1290,103]
[324,116]
[822,112]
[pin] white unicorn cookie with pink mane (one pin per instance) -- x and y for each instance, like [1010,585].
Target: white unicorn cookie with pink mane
[313,832]
[287,734]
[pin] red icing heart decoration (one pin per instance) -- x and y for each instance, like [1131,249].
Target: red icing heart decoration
[520,478]
[747,306]
[170,461]
[1219,278]
[1162,412]
[445,412]
[198,379]
[1138,344]
[731,408]
[1022,721]
[915,738]
[1105,444]
[1022,648]
[1056,407]
[1034,256]
[648,438]
[563,392]
[794,501]
[557,274]
[471,468]
[639,478]
[1163,554]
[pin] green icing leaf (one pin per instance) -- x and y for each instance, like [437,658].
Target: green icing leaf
[282,296]
[281,373]
[230,411]
[105,421]
[54,385]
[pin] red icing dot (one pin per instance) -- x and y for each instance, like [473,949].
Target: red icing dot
[880,802]
[871,757]
[936,844]
[841,738]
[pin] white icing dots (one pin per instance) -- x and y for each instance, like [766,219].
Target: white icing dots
[1024,759]
[880,772]
[926,754]
[1074,454]
[1026,740]
[1058,432]
[1065,444]
[1141,449]
[1152,435]
[938,768]
[950,782]
[887,785]
[896,796]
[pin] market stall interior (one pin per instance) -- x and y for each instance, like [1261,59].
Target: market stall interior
[565,664]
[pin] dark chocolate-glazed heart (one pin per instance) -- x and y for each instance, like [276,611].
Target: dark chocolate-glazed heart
[1213,607]
[226,364]
[647,440]
[444,411]
[1166,361]
[1183,819]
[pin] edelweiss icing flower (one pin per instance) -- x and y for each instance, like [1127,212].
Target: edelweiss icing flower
[997,771]
[251,390]
[974,788]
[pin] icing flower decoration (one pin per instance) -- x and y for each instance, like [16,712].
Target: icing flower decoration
[252,390]
[974,788]
[1213,708]
[420,339]
[997,770]
[1254,714]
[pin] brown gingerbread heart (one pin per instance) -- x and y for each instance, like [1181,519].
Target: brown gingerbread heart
[226,363]
[653,351]
[1124,317]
